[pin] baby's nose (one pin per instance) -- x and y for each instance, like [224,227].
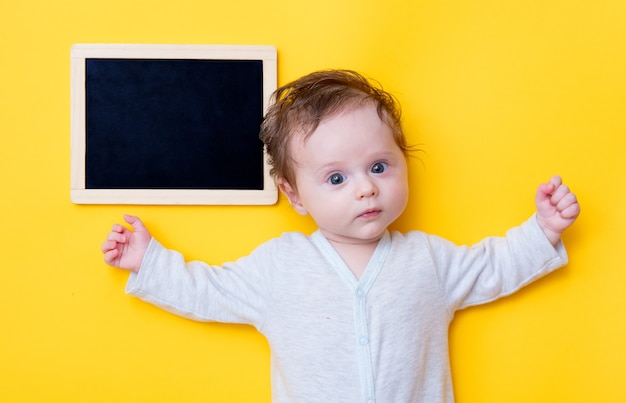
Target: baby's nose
[367,188]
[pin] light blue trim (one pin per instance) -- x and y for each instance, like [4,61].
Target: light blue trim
[360,288]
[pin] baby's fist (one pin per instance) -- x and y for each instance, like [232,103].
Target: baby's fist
[557,208]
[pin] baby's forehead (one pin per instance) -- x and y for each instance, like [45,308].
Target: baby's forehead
[305,129]
[343,130]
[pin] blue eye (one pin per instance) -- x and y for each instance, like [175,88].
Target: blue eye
[336,179]
[379,167]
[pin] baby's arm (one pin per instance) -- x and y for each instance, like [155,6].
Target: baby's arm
[557,208]
[125,248]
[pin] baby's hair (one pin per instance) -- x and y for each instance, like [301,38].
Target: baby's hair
[298,108]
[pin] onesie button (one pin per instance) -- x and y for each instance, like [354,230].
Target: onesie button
[363,340]
[371,400]
[360,293]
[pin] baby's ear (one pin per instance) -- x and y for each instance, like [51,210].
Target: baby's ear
[292,195]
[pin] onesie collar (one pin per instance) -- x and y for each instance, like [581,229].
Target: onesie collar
[372,269]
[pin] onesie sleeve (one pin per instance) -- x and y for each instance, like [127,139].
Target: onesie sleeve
[234,293]
[496,266]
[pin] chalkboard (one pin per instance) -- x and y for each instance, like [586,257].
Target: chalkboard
[170,124]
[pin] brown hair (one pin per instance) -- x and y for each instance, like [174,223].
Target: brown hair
[298,108]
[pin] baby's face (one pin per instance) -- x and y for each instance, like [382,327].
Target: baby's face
[351,176]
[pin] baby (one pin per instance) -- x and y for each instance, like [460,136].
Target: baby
[353,312]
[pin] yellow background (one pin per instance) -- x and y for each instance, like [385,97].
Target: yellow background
[500,95]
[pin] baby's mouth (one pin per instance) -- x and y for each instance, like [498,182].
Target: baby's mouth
[369,214]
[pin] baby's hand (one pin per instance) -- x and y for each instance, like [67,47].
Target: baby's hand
[557,208]
[125,248]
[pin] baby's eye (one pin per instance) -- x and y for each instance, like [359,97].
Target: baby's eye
[379,167]
[336,179]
